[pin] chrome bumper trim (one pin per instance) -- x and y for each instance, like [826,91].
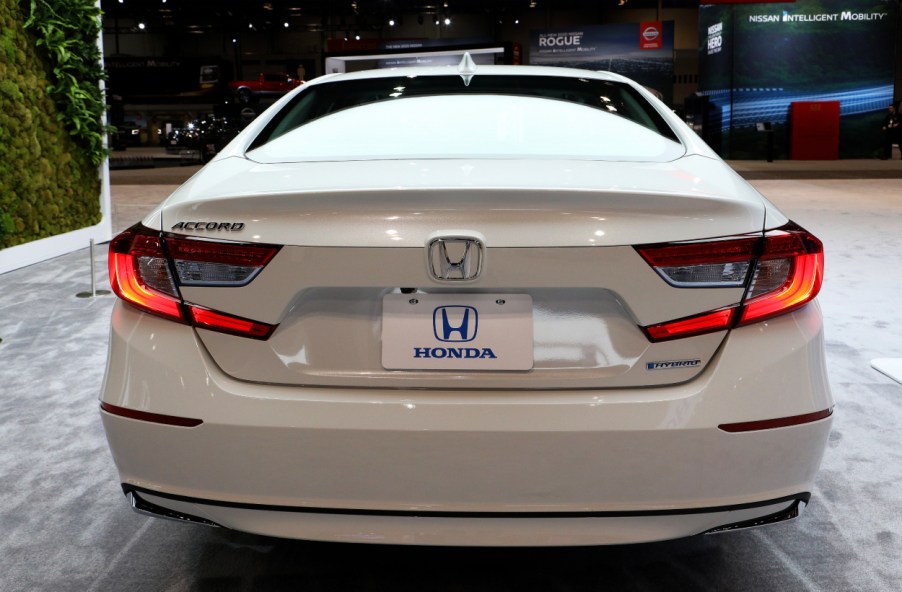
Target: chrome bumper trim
[790,513]
[146,508]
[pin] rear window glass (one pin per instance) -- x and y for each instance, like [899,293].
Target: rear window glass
[441,116]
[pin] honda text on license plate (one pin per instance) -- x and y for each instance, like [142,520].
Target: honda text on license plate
[457,332]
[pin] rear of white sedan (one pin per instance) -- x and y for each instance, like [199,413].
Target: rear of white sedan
[493,306]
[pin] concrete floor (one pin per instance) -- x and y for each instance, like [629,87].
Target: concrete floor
[66,526]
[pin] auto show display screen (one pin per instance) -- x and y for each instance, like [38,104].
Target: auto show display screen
[641,51]
[756,59]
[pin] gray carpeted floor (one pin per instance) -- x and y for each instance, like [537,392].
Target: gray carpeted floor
[66,526]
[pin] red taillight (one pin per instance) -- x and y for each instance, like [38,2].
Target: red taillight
[201,262]
[205,318]
[711,264]
[781,271]
[697,325]
[801,255]
[141,273]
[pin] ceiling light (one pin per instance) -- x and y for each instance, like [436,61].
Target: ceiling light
[142,26]
[391,22]
[286,24]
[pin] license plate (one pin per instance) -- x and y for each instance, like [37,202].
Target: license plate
[457,332]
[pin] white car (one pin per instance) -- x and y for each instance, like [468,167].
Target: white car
[473,306]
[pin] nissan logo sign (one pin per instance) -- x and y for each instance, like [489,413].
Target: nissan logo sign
[650,33]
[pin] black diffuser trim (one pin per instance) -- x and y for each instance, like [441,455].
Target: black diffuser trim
[803,497]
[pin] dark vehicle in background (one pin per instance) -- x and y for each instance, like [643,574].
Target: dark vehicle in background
[206,136]
[265,85]
[126,134]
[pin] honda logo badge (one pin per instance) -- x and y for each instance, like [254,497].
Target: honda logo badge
[455,258]
[463,328]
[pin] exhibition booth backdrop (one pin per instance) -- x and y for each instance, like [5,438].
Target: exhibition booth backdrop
[755,60]
[641,51]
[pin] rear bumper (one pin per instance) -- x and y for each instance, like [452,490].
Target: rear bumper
[491,467]
[453,528]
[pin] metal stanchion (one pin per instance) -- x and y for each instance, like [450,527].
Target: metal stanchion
[94,291]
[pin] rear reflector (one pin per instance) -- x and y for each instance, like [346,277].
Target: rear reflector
[173,420]
[782,422]
[782,270]
[141,273]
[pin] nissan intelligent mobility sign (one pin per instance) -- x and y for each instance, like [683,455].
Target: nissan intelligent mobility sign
[755,60]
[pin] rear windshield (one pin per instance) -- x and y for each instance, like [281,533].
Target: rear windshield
[442,116]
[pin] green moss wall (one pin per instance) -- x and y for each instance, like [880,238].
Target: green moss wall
[48,186]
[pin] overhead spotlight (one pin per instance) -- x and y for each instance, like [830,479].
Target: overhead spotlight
[447,21]
[436,21]
[286,24]
[234,40]
[142,26]
[391,22]
[250,25]
[516,21]
[356,36]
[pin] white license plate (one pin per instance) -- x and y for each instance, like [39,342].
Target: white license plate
[457,332]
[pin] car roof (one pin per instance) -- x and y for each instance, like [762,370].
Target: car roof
[449,70]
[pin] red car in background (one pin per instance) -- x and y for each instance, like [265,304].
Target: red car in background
[264,85]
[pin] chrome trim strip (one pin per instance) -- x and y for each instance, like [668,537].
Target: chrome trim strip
[146,508]
[789,513]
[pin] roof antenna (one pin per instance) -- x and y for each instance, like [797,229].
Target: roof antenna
[466,68]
